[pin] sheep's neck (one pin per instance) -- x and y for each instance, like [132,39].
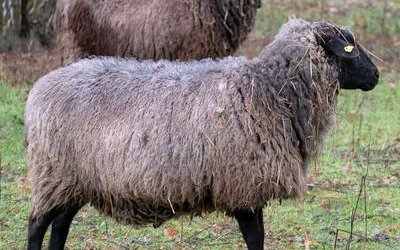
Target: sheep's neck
[301,103]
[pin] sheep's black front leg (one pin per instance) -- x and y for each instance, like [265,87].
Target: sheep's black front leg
[60,227]
[37,229]
[252,227]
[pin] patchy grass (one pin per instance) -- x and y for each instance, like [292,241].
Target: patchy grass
[365,142]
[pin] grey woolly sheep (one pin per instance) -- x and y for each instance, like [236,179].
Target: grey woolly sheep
[145,141]
[156,29]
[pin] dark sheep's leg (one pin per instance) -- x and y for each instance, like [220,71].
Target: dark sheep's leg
[60,227]
[37,229]
[252,228]
[261,226]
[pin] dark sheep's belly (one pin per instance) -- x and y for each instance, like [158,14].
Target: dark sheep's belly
[131,212]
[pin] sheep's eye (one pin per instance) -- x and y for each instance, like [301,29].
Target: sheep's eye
[349,48]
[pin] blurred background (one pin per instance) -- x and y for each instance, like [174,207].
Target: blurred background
[26,29]
[354,198]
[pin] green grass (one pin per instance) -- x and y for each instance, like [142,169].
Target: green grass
[365,141]
[324,209]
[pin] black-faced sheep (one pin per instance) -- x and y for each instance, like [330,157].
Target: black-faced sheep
[146,141]
[153,29]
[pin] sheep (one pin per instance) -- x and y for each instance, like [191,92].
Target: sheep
[176,138]
[158,29]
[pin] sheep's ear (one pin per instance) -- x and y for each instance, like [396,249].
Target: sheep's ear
[341,48]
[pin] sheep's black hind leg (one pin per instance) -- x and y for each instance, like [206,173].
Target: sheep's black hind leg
[60,227]
[37,229]
[252,227]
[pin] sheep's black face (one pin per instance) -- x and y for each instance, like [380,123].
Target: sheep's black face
[356,70]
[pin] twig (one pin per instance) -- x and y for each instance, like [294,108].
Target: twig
[365,189]
[336,239]
[365,210]
[353,215]
[365,238]
[173,210]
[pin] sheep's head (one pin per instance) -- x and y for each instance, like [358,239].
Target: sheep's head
[356,70]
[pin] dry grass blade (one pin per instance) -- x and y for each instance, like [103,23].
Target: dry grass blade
[354,212]
[372,54]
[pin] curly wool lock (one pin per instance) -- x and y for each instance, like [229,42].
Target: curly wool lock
[174,138]
[157,29]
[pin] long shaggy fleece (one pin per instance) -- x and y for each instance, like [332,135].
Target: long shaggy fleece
[153,29]
[141,141]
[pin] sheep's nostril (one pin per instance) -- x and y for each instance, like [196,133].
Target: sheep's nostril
[377,74]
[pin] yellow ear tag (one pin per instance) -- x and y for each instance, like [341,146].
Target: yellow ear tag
[349,48]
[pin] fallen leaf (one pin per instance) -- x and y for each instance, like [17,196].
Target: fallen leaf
[351,114]
[325,203]
[346,167]
[392,228]
[216,228]
[170,232]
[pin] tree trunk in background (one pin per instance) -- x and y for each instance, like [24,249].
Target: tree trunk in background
[25,27]
[8,16]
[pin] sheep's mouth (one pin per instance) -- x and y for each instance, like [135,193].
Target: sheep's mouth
[368,86]
[363,85]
